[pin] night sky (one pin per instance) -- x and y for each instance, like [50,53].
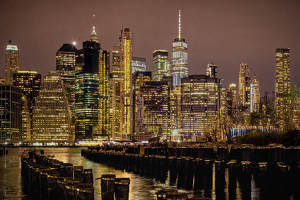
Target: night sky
[224,32]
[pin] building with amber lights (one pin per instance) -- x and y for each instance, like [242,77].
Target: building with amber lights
[199,105]
[65,64]
[51,115]
[10,113]
[92,92]
[29,82]
[11,62]
[244,85]
[138,64]
[255,95]
[179,57]
[157,107]
[161,64]
[282,81]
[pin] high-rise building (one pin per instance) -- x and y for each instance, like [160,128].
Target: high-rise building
[51,119]
[161,64]
[282,81]
[11,62]
[29,82]
[234,95]
[179,57]
[126,87]
[244,84]
[199,105]
[92,96]
[139,79]
[255,95]
[156,101]
[211,70]
[10,113]
[65,64]
[138,64]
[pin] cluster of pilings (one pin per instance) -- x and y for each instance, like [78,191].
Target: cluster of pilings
[47,178]
[276,170]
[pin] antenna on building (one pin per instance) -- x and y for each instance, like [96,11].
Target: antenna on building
[93,22]
[179,24]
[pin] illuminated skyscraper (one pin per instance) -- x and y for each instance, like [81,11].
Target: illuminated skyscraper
[92,96]
[161,64]
[211,70]
[156,101]
[282,81]
[126,87]
[29,82]
[65,64]
[11,113]
[255,95]
[244,84]
[138,64]
[11,62]
[179,57]
[51,119]
[139,79]
[199,105]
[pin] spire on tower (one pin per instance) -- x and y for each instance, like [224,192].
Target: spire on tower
[179,24]
[94,37]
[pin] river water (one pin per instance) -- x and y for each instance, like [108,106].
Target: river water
[141,187]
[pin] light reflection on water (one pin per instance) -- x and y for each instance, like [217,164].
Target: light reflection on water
[141,187]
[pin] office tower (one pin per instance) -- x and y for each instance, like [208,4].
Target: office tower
[199,105]
[29,82]
[51,119]
[92,97]
[126,86]
[138,64]
[11,62]
[11,113]
[116,82]
[179,57]
[161,64]
[282,82]
[244,84]
[156,101]
[211,70]
[255,95]
[235,98]
[65,64]
[139,78]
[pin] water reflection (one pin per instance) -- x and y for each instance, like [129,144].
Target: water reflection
[141,187]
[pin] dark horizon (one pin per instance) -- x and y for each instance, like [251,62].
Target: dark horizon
[226,33]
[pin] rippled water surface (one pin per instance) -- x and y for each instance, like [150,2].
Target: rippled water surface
[141,187]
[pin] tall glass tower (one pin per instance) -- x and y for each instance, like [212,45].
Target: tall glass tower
[179,57]
[11,62]
[161,64]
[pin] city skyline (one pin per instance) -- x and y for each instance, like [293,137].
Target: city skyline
[227,34]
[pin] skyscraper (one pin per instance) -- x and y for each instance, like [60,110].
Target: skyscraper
[11,62]
[92,97]
[244,84]
[29,82]
[65,64]
[138,64]
[255,94]
[161,64]
[126,87]
[51,119]
[199,105]
[282,81]
[211,70]
[179,57]
[11,113]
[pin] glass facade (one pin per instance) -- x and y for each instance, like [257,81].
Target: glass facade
[138,64]
[51,115]
[11,62]
[199,105]
[10,113]
[244,84]
[161,64]
[179,60]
